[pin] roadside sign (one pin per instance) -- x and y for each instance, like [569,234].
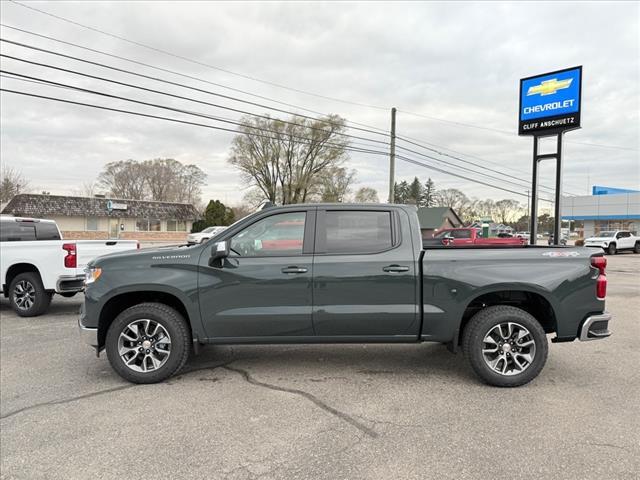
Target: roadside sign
[115,206]
[550,102]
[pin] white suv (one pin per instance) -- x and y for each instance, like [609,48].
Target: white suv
[613,241]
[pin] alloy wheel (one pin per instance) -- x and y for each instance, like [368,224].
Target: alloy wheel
[144,345]
[508,348]
[24,294]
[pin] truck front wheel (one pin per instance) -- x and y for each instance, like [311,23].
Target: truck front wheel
[27,295]
[148,343]
[505,346]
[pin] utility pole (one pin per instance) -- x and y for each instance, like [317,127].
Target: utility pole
[392,155]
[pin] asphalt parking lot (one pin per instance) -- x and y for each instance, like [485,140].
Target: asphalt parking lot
[321,412]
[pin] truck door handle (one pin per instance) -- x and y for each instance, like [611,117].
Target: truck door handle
[395,268]
[294,270]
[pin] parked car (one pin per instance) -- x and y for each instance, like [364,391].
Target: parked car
[204,235]
[36,262]
[342,273]
[523,235]
[612,241]
[469,237]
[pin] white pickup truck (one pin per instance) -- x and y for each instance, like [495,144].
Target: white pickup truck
[613,241]
[35,262]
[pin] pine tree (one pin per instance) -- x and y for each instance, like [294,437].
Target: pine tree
[428,194]
[414,193]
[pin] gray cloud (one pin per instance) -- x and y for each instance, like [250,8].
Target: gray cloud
[456,61]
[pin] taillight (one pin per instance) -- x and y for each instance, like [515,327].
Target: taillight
[601,283]
[600,263]
[601,287]
[70,259]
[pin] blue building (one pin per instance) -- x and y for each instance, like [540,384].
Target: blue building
[607,208]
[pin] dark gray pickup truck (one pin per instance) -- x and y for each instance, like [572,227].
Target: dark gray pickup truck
[342,273]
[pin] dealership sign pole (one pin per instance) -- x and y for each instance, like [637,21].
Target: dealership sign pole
[550,105]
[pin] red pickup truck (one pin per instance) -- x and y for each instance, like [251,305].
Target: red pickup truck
[470,236]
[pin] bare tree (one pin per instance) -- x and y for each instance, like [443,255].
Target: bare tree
[285,162]
[161,179]
[507,209]
[124,179]
[11,184]
[336,183]
[457,200]
[366,195]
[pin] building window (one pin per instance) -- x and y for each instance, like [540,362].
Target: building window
[155,225]
[176,226]
[92,224]
[142,225]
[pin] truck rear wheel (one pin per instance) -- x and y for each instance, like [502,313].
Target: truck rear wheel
[27,295]
[506,346]
[148,343]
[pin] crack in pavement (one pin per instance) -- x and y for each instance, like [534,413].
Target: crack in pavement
[66,400]
[312,398]
[102,392]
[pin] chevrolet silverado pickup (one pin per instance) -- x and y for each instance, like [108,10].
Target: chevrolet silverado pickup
[328,273]
[35,262]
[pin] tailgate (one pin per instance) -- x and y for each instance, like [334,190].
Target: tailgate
[87,250]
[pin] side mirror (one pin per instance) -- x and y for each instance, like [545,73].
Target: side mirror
[220,250]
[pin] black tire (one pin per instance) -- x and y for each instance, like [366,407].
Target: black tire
[636,248]
[482,323]
[171,321]
[41,298]
[203,240]
[67,294]
[611,250]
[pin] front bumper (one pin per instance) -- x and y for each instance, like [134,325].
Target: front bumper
[88,335]
[595,327]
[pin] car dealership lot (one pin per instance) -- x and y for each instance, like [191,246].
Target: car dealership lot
[334,411]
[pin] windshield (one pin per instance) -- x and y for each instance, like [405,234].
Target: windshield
[606,234]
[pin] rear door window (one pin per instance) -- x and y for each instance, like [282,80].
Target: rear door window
[351,231]
[47,231]
[461,233]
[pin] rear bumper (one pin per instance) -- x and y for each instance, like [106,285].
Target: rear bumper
[70,283]
[595,327]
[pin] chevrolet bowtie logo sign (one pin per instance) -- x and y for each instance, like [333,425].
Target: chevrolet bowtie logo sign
[549,87]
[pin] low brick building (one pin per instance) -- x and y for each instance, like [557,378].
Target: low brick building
[95,218]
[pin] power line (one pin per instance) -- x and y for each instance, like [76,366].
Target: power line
[285,87]
[186,122]
[197,62]
[368,128]
[164,107]
[86,75]
[175,120]
[228,97]
[415,162]
[527,184]
[75,72]
[462,167]
[507,132]
[198,114]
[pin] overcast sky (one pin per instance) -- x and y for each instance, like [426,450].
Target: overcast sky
[453,63]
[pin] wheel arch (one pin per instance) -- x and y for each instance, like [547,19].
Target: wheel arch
[533,302]
[120,302]
[16,269]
